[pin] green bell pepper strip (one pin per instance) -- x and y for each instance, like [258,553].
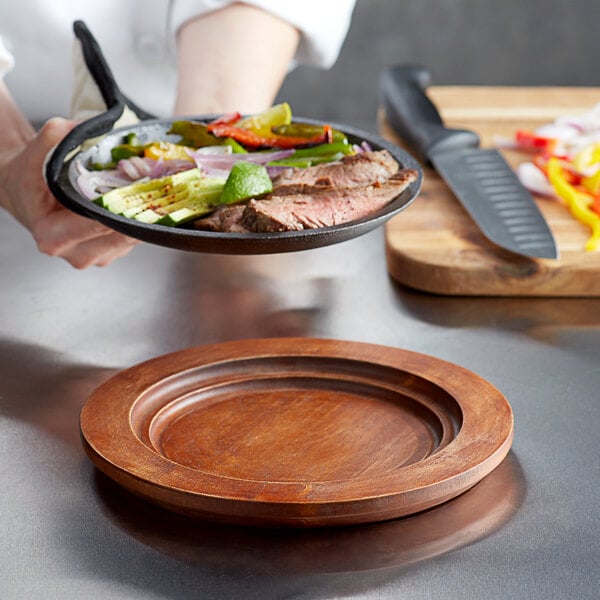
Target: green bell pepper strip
[309,161]
[308,130]
[324,150]
[194,134]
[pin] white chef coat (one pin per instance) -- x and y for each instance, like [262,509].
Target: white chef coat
[137,38]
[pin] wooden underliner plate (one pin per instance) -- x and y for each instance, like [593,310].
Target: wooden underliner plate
[296,431]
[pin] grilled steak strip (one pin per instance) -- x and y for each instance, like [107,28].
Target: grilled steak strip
[324,206]
[225,218]
[317,206]
[359,169]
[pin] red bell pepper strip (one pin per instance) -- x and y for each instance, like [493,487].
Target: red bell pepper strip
[252,140]
[528,140]
[226,119]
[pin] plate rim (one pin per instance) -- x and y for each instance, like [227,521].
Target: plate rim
[157,471]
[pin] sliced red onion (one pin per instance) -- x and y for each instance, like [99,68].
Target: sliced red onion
[534,180]
[162,168]
[219,164]
[274,170]
[561,132]
[94,183]
[214,172]
[133,167]
[572,122]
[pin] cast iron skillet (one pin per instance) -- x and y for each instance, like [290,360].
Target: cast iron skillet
[60,175]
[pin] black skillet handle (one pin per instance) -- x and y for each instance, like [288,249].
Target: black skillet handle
[413,116]
[100,124]
[101,73]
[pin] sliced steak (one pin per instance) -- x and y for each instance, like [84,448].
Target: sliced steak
[224,218]
[359,169]
[324,206]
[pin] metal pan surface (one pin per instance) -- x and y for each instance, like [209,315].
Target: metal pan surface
[60,175]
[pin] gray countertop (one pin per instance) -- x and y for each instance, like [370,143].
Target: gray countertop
[529,530]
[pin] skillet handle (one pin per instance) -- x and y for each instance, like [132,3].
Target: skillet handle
[101,73]
[98,125]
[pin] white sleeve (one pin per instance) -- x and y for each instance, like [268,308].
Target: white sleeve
[323,25]
[7,62]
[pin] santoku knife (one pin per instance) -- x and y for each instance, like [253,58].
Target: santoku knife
[481,179]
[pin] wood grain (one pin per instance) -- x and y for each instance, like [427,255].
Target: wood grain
[434,246]
[296,432]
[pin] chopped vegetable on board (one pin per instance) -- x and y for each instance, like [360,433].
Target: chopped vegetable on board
[566,164]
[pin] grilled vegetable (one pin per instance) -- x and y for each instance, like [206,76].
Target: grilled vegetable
[169,200]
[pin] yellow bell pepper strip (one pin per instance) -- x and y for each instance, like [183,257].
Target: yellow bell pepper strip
[592,183]
[587,157]
[166,151]
[578,202]
[586,160]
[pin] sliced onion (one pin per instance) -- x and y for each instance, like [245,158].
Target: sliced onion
[162,168]
[133,167]
[274,170]
[534,180]
[501,141]
[94,183]
[219,164]
[222,149]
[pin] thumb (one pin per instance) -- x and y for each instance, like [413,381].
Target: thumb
[53,131]
[48,137]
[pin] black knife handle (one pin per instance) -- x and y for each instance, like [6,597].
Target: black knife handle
[414,117]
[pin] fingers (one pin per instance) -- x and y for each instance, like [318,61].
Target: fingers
[82,242]
[99,252]
[57,231]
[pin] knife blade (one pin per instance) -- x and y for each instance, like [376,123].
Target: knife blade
[480,178]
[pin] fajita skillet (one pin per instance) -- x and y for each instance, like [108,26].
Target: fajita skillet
[61,178]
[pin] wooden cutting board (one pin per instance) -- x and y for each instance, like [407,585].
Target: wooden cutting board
[435,247]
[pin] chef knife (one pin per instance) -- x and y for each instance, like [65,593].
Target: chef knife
[481,179]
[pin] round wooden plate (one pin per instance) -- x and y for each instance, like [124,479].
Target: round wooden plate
[296,431]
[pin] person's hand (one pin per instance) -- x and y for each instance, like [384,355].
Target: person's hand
[56,230]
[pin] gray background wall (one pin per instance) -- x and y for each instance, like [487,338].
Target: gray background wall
[495,42]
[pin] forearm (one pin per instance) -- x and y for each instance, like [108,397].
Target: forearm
[233,59]
[16,129]
[16,134]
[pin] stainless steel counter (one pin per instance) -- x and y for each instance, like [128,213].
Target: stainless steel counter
[530,530]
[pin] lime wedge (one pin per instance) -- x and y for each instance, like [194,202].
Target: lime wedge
[246,180]
[262,123]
